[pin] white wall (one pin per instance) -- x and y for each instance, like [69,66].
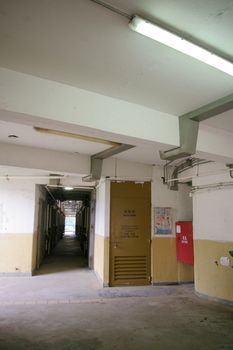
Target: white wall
[102,214]
[179,201]
[213,215]
[114,167]
[17,201]
[213,209]
[212,206]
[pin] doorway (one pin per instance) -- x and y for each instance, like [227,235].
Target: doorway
[64,230]
[70,223]
[130,234]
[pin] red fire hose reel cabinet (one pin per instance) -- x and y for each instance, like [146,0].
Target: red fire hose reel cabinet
[184,242]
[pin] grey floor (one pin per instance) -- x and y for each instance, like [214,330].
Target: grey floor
[64,307]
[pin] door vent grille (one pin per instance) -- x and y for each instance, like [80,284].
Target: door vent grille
[130,268]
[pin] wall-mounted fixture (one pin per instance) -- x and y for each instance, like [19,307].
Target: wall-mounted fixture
[155,32]
[224,261]
[67,188]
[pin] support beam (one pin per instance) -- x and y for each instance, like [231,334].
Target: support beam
[112,151]
[189,125]
[188,140]
[210,110]
[69,109]
[97,160]
[56,162]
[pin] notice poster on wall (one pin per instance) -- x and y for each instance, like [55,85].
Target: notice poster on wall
[162,221]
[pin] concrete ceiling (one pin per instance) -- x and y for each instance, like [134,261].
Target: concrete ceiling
[223,121]
[61,194]
[27,136]
[82,44]
[85,45]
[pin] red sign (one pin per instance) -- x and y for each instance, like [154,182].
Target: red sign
[184,242]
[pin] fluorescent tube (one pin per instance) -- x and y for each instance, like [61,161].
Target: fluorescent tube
[174,41]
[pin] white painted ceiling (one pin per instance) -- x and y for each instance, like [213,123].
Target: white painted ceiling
[27,136]
[223,121]
[83,44]
[86,45]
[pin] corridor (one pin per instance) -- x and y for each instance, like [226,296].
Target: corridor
[66,256]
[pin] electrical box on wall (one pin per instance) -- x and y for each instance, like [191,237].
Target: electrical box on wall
[184,242]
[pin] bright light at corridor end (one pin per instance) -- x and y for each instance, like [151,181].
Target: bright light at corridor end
[176,42]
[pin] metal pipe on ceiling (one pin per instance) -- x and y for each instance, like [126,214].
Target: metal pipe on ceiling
[190,177]
[27,177]
[209,187]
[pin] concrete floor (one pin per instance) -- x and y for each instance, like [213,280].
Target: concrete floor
[64,307]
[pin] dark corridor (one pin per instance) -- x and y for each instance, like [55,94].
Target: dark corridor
[66,256]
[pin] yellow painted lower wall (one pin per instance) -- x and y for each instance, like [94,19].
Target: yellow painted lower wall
[165,268]
[101,258]
[16,253]
[185,273]
[211,278]
[164,264]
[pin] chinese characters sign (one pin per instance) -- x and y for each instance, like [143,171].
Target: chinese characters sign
[130,227]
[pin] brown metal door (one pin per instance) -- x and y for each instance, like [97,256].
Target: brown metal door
[130,233]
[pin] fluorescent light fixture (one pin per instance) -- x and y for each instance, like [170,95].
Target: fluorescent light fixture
[68,188]
[176,42]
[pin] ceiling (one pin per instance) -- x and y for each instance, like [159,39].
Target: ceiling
[28,136]
[71,207]
[72,200]
[83,44]
[223,121]
[77,194]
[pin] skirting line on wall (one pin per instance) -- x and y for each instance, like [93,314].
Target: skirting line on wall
[215,299]
[16,274]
